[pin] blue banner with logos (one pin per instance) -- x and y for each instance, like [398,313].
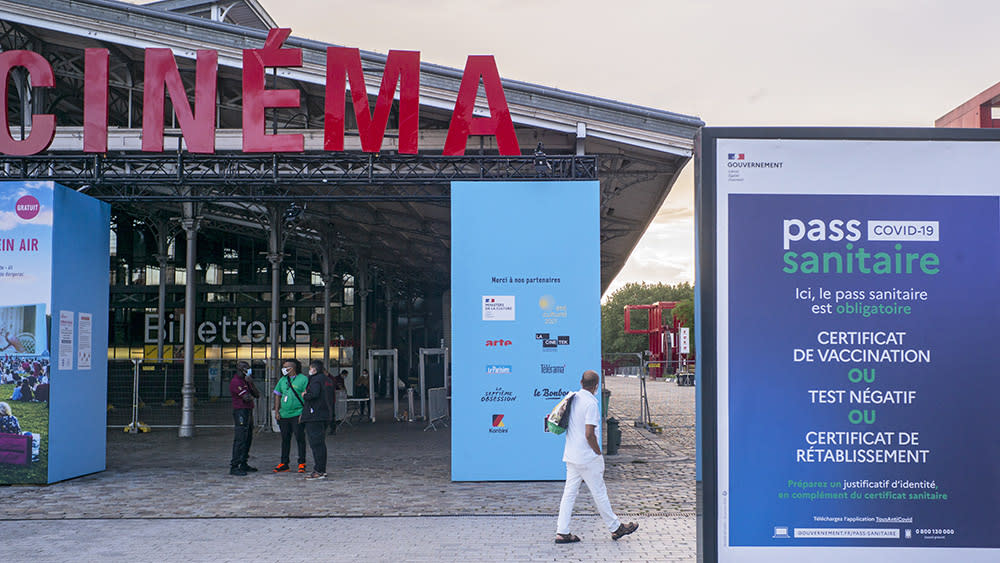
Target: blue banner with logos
[526,321]
[856,328]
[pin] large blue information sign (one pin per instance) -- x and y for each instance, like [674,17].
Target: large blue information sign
[53,332]
[526,321]
[858,301]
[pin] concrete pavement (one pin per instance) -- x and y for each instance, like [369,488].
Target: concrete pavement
[388,498]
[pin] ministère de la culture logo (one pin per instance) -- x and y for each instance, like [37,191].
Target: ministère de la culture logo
[498,307]
[498,425]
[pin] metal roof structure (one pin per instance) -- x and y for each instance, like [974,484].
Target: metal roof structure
[976,113]
[635,152]
[246,13]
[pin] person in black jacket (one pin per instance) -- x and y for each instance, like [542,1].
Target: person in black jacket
[315,414]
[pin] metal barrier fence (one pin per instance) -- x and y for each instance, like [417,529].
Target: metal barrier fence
[634,365]
[437,407]
[149,392]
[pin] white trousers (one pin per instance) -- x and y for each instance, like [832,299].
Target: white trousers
[593,474]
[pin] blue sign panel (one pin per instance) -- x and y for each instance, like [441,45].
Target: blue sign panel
[856,329]
[53,382]
[526,324]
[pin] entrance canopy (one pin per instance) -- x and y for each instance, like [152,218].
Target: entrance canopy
[389,207]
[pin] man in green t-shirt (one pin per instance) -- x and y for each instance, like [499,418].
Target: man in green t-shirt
[287,408]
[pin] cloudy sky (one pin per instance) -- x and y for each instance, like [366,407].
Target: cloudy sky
[769,62]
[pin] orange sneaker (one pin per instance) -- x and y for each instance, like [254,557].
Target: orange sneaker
[282,467]
[302,468]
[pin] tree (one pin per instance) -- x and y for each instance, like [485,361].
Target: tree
[613,337]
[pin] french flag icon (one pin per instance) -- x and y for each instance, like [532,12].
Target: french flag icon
[736,156]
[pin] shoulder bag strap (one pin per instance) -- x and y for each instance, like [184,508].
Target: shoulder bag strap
[289,379]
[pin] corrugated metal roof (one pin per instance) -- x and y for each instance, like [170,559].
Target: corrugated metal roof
[246,13]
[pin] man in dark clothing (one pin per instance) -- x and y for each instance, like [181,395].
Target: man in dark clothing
[243,393]
[361,391]
[315,414]
[339,386]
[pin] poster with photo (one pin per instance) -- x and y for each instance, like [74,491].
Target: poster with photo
[26,216]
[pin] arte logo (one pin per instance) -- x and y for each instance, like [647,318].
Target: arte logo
[549,343]
[736,156]
[498,425]
[552,312]
[27,207]
[495,369]
[500,343]
[550,394]
[550,368]
[498,307]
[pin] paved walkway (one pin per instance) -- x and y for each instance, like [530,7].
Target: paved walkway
[389,484]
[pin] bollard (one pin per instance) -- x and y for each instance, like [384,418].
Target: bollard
[614,436]
[409,403]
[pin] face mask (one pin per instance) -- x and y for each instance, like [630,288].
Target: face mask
[312,372]
[286,371]
[249,371]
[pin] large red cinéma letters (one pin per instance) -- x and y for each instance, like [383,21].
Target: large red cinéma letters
[256,99]
[198,128]
[463,123]
[43,126]
[400,66]
[402,69]
[95,101]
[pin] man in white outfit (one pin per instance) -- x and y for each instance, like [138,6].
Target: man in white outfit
[584,462]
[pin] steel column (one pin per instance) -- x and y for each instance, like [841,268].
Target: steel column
[190,223]
[275,258]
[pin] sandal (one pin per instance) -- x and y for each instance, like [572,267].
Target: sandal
[624,530]
[567,538]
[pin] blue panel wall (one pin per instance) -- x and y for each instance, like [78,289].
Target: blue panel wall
[525,320]
[79,285]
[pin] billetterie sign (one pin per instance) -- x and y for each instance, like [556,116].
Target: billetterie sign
[197,124]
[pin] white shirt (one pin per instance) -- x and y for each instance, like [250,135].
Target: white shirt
[584,410]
